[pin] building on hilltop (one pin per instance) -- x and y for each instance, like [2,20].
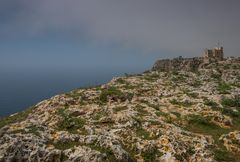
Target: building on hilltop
[215,54]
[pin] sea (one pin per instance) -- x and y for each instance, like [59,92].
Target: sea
[21,88]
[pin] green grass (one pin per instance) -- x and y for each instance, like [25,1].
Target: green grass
[69,123]
[107,151]
[231,107]
[151,77]
[178,115]
[165,115]
[141,110]
[114,92]
[150,154]
[184,104]
[210,103]
[199,124]
[65,145]
[121,81]
[195,84]
[179,78]
[224,88]
[120,108]
[216,76]
[192,94]
[231,102]
[142,133]
[34,130]
[16,118]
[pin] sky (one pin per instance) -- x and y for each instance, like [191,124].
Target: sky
[113,33]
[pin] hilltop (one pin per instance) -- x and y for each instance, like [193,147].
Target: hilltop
[164,115]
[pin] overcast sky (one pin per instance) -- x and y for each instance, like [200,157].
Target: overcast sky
[84,33]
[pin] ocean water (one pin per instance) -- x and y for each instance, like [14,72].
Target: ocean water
[22,88]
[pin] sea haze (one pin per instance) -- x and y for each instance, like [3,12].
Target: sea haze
[24,87]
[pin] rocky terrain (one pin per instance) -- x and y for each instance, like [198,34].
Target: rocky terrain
[171,116]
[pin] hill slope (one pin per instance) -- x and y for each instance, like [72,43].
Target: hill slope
[154,116]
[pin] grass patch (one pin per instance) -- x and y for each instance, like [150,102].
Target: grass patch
[120,108]
[199,124]
[210,103]
[231,102]
[224,88]
[34,130]
[178,115]
[178,78]
[114,93]
[165,115]
[121,81]
[184,104]
[16,117]
[141,110]
[150,154]
[229,105]
[142,133]
[108,152]
[216,76]
[65,145]
[195,84]
[69,123]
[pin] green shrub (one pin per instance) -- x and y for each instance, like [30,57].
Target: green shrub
[210,103]
[120,108]
[140,132]
[216,76]
[184,104]
[114,92]
[223,155]
[65,145]
[121,81]
[231,102]
[199,124]
[224,88]
[150,154]
[107,151]
[195,83]
[69,123]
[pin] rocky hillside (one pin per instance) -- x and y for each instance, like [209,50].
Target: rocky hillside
[155,116]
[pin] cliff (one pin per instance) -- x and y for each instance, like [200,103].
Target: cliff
[155,116]
[178,64]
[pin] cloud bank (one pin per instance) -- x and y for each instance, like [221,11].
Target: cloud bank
[183,26]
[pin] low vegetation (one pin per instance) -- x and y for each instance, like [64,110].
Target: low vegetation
[224,88]
[16,117]
[115,94]
[69,123]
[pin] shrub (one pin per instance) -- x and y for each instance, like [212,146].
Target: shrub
[210,103]
[184,104]
[120,108]
[224,88]
[69,123]
[65,145]
[199,124]
[195,83]
[142,133]
[150,154]
[114,92]
[231,102]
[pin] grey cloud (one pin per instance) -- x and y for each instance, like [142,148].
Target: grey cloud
[183,26]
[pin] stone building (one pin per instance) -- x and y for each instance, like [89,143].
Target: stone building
[215,54]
